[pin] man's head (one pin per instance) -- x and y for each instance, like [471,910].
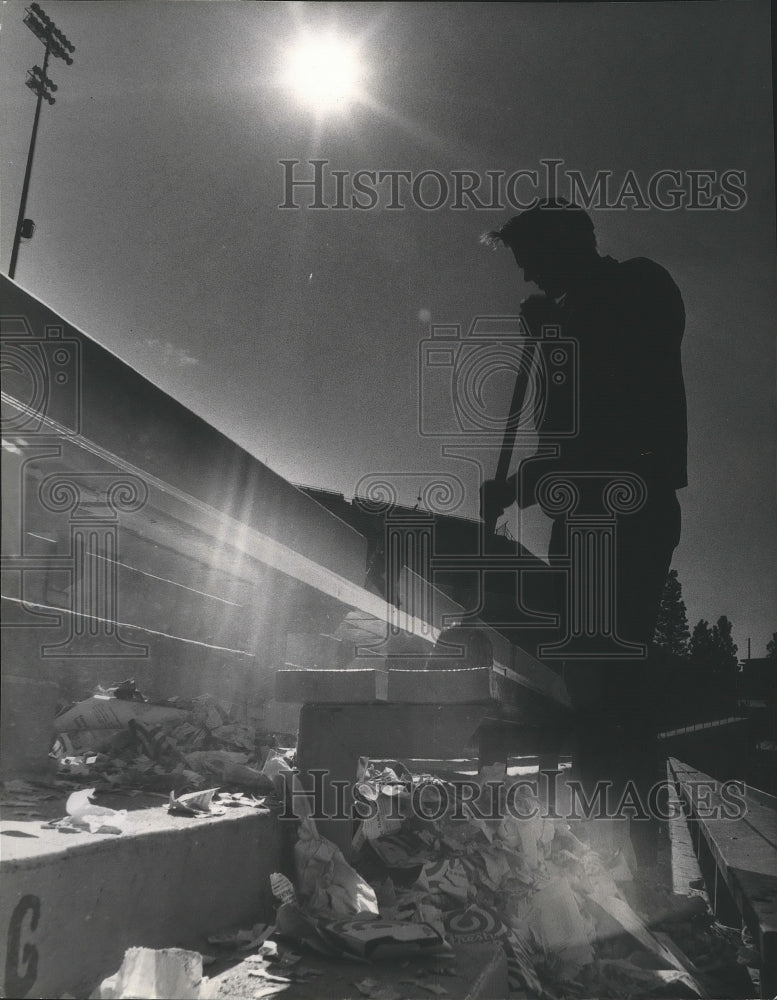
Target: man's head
[552,243]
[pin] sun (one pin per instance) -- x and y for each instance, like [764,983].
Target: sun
[325,72]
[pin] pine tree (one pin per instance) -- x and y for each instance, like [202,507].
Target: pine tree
[701,642]
[771,647]
[672,633]
[725,648]
[714,646]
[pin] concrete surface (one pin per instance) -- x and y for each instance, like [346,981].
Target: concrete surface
[71,904]
[479,972]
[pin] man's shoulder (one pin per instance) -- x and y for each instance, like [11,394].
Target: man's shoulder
[645,270]
[639,266]
[648,293]
[642,280]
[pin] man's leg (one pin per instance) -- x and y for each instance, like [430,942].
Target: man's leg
[585,679]
[615,701]
[644,547]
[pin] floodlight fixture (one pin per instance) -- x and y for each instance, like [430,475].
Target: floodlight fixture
[41,25]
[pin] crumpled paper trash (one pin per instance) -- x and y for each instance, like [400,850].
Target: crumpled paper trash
[325,880]
[277,769]
[626,979]
[242,939]
[374,939]
[194,804]
[168,974]
[229,767]
[446,877]
[524,830]
[282,888]
[106,712]
[474,923]
[85,815]
[556,921]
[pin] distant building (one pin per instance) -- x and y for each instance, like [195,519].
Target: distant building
[758,680]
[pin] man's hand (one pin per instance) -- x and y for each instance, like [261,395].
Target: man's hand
[495,497]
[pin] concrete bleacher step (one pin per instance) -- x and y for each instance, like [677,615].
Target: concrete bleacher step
[480,972]
[71,904]
[736,843]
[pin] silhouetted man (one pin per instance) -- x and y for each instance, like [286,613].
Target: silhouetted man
[628,320]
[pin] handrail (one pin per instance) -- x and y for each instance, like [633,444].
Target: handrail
[696,727]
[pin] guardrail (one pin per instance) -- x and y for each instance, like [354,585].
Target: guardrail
[697,727]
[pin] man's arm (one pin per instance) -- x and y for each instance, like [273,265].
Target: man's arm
[496,495]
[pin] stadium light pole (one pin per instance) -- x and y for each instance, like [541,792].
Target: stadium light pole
[39,83]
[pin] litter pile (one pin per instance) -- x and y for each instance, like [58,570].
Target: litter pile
[559,909]
[571,922]
[118,740]
[176,974]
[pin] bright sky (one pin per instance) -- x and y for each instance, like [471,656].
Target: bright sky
[157,184]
